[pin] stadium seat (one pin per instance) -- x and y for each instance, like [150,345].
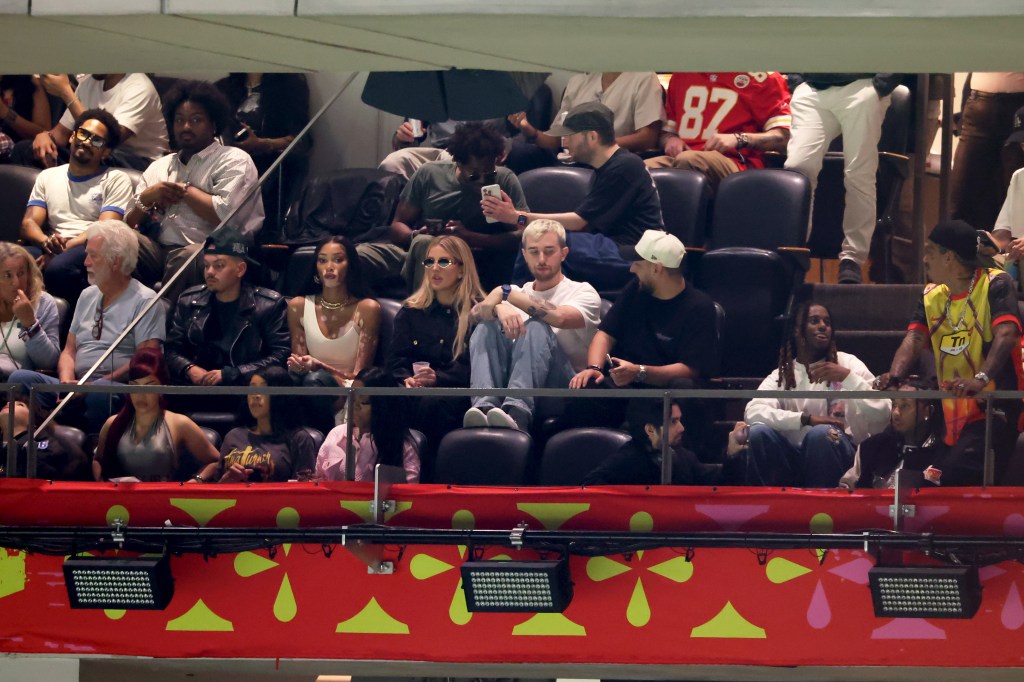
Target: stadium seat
[389,308]
[572,454]
[556,189]
[483,456]
[755,262]
[17,183]
[685,203]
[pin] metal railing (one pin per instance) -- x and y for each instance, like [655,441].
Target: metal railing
[667,396]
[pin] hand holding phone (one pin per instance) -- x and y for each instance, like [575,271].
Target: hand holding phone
[490,191]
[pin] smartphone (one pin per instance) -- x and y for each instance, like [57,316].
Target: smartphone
[242,134]
[490,191]
[612,364]
[434,226]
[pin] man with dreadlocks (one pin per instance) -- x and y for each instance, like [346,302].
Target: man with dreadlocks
[810,441]
[968,315]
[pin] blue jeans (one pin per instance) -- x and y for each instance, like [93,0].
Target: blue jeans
[534,360]
[823,457]
[98,406]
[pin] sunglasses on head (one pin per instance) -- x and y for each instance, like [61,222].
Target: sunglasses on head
[443,263]
[85,137]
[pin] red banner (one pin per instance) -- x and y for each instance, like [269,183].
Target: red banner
[797,607]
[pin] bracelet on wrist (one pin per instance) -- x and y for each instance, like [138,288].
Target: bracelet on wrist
[594,367]
[199,478]
[805,419]
[139,204]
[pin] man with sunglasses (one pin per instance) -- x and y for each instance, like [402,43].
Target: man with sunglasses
[71,197]
[443,197]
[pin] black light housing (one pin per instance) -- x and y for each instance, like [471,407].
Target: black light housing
[925,591]
[102,583]
[517,586]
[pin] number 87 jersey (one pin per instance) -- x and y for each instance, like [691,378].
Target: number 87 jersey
[699,105]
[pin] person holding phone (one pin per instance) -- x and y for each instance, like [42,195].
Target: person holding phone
[443,197]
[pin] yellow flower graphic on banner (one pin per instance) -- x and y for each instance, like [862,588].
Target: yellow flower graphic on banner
[676,569]
[248,564]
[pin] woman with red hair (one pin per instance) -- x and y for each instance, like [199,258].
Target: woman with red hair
[145,440]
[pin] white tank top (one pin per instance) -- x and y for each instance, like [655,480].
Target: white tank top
[339,353]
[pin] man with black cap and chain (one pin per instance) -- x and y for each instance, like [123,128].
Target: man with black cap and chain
[225,330]
[968,314]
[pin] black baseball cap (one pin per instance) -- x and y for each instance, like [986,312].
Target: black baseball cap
[962,239]
[1017,136]
[583,117]
[227,241]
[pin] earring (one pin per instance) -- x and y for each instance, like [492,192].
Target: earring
[316,279]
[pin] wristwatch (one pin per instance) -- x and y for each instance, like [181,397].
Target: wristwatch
[742,141]
[506,289]
[641,375]
[522,220]
[982,377]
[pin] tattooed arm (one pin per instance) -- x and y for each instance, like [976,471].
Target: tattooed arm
[558,316]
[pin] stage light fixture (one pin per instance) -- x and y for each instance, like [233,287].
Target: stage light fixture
[925,591]
[102,583]
[517,586]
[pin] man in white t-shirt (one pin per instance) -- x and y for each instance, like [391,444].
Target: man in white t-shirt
[69,198]
[536,336]
[130,97]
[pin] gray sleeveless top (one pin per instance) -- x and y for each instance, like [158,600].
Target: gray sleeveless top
[151,458]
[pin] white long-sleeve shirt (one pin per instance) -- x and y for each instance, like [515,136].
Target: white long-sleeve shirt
[863,417]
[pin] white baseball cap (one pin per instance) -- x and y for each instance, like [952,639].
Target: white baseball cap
[657,246]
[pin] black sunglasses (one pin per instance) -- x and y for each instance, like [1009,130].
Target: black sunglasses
[487,177]
[97,323]
[85,137]
[443,263]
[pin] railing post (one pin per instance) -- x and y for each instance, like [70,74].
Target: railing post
[989,474]
[666,451]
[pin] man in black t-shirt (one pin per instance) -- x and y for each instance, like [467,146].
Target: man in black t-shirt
[622,202]
[225,330]
[660,332]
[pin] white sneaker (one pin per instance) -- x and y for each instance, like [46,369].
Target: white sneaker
[474,418]
[500,419]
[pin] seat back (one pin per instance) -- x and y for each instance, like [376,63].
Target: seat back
[556,189]
[134,175]
[63,319]
[483,456]
[358,203]
[211,435]
[297,278]
[316,435]
[763,209]
[895,135]
[685,203]
[17,183]
[753,288]
[389,308]
[572,454]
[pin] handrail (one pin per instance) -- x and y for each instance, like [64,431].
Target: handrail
[667,395]
[195,254]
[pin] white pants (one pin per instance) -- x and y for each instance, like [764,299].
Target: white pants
[407,161]
[854,111]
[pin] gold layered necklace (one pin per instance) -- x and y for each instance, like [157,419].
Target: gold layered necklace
[332,305]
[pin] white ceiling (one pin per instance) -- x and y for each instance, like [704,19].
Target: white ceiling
[95,36]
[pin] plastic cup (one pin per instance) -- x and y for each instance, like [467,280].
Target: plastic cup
[418,367]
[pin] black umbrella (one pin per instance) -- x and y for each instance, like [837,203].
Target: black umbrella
[457,94]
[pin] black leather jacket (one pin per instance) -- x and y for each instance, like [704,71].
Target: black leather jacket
[260,335]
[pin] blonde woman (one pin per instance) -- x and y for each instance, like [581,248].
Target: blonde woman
[432,331]
[28,315]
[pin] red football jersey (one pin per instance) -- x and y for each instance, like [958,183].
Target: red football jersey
[699,105]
